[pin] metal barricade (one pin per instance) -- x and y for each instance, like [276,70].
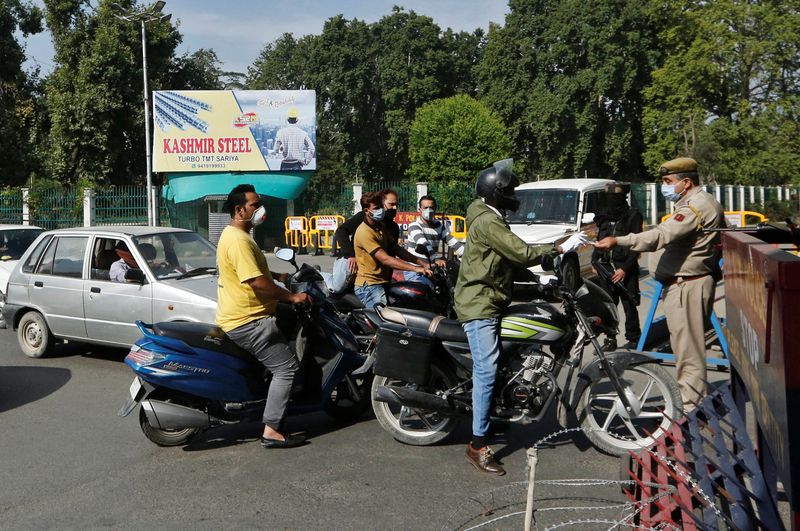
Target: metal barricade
[296,232]
[321,230]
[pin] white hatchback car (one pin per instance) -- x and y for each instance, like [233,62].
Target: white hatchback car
[14,241]
[552,210]
[61,288]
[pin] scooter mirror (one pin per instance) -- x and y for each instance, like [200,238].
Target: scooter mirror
[422,249]
[287,255]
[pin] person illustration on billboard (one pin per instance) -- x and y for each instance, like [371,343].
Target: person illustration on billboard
[289,143]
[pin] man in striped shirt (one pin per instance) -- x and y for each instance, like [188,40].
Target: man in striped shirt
[430,232]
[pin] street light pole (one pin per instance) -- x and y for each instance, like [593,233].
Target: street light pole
[152,217]
[143,17]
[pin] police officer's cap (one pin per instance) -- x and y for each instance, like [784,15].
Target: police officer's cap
[679,165]
[617,188]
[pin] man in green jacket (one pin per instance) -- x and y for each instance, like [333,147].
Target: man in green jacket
[483,291]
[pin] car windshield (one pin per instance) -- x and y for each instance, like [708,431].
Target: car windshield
[14,242]
[546,206]
[177,254]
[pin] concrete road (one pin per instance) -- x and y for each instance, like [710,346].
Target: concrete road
[68,461]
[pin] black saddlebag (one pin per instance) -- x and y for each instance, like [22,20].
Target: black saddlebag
[404,353]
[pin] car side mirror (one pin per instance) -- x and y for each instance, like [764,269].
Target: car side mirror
[588,217]
[135,275]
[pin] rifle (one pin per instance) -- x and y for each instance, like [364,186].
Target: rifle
[605,271]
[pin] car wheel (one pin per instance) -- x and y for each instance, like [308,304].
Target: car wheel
[34,335]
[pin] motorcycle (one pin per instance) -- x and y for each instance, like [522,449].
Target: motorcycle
[623,400]
[190,376]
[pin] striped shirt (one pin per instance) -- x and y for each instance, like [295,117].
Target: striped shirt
[290,141]
[431,235]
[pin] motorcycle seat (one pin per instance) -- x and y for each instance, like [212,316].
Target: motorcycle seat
[346,302]
[202,335]
[436,325]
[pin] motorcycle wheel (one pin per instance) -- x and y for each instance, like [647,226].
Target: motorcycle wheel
[414,426]
[651,391]
[163,437]
[346,403]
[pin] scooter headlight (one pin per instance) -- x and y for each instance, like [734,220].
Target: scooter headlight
[142,357]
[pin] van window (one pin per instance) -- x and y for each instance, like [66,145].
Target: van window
[33,258]
[594,202]
[545,206]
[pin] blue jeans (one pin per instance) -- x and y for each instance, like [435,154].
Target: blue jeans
[413,276]
[371,295]
[484,343]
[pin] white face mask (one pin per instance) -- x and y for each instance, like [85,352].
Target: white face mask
[258,216]
[427,213]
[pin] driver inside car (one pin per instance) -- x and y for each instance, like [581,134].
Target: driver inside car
[121,270]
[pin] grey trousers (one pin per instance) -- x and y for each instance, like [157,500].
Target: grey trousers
[266,343]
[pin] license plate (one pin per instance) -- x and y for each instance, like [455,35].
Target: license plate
[135,387]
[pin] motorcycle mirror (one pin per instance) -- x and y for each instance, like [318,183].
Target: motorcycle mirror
[548,262]
[287,255]
[422,249]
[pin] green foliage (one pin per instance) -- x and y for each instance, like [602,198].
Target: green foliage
[19,109]
[567,78]
[452,139]
[727,92]
[370,79]
[777,211]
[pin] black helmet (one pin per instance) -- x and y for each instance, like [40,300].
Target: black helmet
[497,184]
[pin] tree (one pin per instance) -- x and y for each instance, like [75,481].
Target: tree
[453,138]
[566,76]
[20,108]
[728,89]
[94,94]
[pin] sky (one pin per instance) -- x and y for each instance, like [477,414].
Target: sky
[237,30]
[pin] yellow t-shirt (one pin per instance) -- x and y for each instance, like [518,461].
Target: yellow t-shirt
[366,243]
[239,259]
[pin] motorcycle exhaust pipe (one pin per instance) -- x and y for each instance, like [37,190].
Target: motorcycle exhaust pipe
[168,416]
[401,396]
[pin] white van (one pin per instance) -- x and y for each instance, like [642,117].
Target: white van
[550,211]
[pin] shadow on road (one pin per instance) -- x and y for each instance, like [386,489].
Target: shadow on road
[23,385]
[68,350]
[310,425]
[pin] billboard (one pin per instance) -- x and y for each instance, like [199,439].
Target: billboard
[234,130]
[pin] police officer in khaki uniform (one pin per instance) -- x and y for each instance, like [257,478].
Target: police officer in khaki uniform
[688,269]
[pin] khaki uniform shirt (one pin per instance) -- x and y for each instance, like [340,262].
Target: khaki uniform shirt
[688,251]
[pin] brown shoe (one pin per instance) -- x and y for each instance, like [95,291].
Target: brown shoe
[484,460]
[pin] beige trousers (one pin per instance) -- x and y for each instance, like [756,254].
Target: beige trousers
[687,306]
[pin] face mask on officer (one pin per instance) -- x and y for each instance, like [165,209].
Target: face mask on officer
[670,192]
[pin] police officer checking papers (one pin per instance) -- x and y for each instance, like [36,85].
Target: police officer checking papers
[688,269]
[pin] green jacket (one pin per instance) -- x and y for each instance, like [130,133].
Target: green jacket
[492,252]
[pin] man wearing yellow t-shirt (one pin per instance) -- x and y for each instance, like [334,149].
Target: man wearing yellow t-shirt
[375,250]
[246,301]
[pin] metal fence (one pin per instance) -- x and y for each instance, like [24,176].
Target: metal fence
[11,205]
[55,208]
[121,205]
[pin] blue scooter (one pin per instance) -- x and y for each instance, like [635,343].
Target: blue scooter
[191,376]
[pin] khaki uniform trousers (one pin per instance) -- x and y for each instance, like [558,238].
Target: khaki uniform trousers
[687,306]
